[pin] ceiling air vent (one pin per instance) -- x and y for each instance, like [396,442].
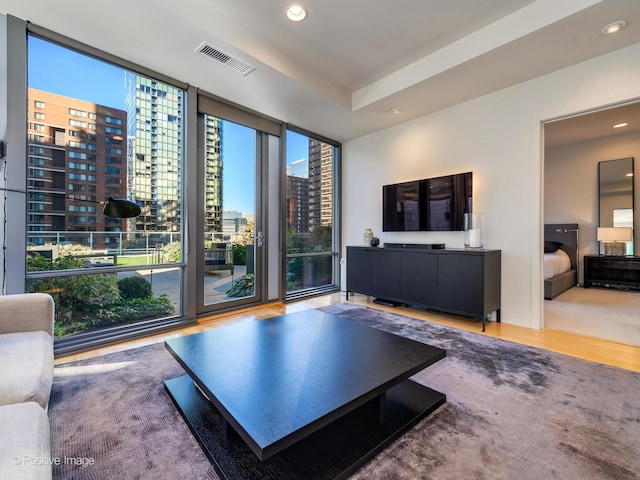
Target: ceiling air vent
[228,60]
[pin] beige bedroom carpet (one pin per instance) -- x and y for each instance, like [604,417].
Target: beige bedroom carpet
[605,313]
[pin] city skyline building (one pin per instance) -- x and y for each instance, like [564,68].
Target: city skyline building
[80,153]
[233,222]
[155,156]
[298,196]
[297,204]
[298,168]
[320,183]
[310,189]
[213,135]
[76,159]
[155,152]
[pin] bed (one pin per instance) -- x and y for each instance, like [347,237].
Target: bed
[560,258]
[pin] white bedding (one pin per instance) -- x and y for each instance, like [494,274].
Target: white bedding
[556,263]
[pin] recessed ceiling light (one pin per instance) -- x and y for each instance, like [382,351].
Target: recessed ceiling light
[396,110]
[620,125]
[296,12]
[629,174]
[614,27]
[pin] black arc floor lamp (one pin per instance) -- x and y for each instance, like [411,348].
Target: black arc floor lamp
[120,208]
[113,207]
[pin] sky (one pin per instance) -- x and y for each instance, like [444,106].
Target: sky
[59,70]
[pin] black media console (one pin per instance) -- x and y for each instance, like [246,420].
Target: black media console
[462,282]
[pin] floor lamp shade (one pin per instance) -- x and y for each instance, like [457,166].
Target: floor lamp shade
[121,208]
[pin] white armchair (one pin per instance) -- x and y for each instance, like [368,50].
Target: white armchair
[26,312]
[26,377]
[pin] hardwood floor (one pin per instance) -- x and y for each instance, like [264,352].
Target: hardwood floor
[580,346]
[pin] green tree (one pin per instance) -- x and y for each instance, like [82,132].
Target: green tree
[239,254]
[134,287]
[170,253]
[74,292]
[321,238]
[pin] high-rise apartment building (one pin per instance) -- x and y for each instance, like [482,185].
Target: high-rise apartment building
[213,133]
[298,196]
[320,183]
[80,153]
[155,152]
[155,157]
[76,158]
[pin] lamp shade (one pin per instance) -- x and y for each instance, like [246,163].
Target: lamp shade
[615,234]
[121,208]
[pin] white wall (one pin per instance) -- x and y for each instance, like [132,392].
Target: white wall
[498,137]
[571,183]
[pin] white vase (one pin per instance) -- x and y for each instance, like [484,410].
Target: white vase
[474,230]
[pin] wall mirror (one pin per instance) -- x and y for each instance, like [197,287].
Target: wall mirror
[616,195]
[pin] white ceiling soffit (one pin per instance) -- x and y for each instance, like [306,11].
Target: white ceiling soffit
[341,71]
[517,25]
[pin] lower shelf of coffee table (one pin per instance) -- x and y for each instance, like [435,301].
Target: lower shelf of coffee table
[336,451]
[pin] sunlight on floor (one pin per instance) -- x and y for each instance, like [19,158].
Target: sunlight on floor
[70,371]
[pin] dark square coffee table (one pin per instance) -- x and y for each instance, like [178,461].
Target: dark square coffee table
[309,393]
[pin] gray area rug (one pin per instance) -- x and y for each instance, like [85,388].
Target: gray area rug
[512,412]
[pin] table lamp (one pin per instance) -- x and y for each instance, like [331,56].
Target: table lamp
[614,239]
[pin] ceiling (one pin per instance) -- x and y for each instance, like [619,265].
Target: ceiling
[590,126]
[340,72]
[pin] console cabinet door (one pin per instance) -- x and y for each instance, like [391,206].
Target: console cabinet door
[420,278]
[359,270]
[460,283]
[386,275]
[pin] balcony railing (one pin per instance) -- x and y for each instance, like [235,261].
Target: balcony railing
[118,243]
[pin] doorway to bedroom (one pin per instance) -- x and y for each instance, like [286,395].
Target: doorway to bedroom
[574,148]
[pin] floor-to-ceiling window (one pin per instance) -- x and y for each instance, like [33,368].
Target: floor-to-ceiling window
[97,131]
[311,214]
[104,128]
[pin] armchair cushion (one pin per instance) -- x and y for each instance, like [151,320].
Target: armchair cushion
[26,312]
[27,367]
[24,443]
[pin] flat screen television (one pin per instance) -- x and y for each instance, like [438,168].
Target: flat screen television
[432,204]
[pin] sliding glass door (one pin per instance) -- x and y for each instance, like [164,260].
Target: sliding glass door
[229,248]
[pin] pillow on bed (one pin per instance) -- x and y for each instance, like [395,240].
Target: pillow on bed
[550,247]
